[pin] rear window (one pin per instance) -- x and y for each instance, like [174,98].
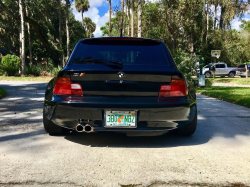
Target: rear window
[126,52]
[243,66]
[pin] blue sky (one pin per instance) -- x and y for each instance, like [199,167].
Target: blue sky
[98,12]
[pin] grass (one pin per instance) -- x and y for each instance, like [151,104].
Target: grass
[236,95]
[2,92]
[12,78]
[239,81]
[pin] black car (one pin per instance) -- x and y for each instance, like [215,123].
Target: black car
[241,70]
[125,85]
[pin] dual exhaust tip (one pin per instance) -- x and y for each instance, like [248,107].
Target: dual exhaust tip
[84,128]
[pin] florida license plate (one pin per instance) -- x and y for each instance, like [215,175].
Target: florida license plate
[120,119]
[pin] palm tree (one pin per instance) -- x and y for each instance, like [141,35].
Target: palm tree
[87,25]
[92,28]
[110,10]
[82,6]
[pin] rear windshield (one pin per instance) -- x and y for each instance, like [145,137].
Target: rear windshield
[126,52]
[243,66]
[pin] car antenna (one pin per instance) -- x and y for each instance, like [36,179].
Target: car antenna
[121,33]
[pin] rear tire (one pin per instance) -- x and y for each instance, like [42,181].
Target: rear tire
[231,74]
[208,74]
[189,129]
[52,128]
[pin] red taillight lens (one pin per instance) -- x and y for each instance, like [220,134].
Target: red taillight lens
[176,88]
[64,86]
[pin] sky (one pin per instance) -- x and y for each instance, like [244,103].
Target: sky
[99,13]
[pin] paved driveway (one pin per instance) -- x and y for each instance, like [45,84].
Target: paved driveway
[218,154]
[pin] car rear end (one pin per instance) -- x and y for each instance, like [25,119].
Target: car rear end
[126,85]
[241,70]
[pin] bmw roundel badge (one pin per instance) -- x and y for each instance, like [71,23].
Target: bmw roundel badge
[121,75]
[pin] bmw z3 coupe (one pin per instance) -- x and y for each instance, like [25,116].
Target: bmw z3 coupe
[125,85]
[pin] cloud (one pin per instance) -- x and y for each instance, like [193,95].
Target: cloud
[96,3]
[93,14]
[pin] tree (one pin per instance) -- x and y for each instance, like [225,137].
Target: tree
[110,11]
[132,17]
[89,26]
[122,15]
[82,6]
[67,4]
[60,31]
[139,17]
[22,37]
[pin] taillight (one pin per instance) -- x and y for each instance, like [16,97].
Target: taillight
[176,88]
[64,86]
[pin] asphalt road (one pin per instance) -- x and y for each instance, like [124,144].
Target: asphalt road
[218,154]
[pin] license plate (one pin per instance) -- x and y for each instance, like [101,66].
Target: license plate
[120,119]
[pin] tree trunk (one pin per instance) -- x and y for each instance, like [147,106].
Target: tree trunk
[132,17]
[122,12]
[128,7]
[20,42]
[110,10]
[21,8]
[215,15]
[29,38]
[125,18]
[139,18]
[192,43]
[60,32]
[207,24]
[82,19]
[67,28]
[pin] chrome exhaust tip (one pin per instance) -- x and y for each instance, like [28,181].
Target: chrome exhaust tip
[79,128]
[84,128]
[88,128]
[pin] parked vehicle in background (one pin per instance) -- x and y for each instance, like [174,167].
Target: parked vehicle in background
[204,69]
[221,69]
[125,85]
[241,70]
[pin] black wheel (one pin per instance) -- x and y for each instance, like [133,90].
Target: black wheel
[52,128]
[242,77]
[208,74]
[189,129]
[231,74]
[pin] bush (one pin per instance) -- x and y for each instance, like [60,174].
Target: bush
[10,65]
[33,70]
[186,64]
[208,83]
[48,70]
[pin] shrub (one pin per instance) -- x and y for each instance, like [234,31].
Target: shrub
[186,64]
[10,65]
[55,71]
[33,70]
[208,83]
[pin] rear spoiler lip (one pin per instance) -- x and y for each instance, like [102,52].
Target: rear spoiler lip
[121,39]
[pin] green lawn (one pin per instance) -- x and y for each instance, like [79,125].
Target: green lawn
[2,92]
[240,81]
[236,95]
[10,78]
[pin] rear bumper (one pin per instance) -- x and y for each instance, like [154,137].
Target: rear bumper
[152,115]
[241,73]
